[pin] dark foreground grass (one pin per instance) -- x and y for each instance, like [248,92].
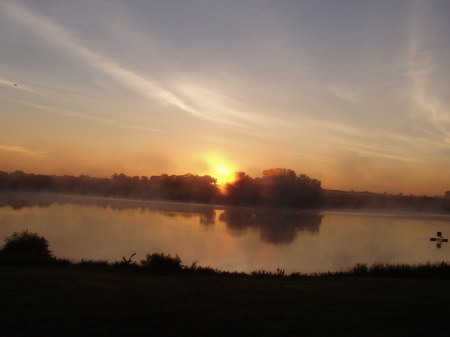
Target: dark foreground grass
[41,295]
[65,301]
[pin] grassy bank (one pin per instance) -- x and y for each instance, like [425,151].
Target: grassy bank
[49,301]
[41,295]
[28,249]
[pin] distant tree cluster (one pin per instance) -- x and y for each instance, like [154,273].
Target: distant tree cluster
[174,187]
[277,188]
[367,200]
[188,187]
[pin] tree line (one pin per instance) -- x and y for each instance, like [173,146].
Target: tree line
[277,187]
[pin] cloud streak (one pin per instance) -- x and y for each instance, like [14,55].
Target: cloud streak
[420,65]
[68,113]
[21,150]
[145,87]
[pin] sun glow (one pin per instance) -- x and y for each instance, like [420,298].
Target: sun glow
[220,168]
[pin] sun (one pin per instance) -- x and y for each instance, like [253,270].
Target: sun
[223,175]
[220,168]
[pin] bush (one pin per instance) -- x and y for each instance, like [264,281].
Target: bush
[162,263]
[25,248]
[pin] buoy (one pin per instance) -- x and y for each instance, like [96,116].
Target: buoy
[439,239]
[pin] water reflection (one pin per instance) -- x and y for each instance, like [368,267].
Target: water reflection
[225,238]
[18,201]
[275,226]
[207,215]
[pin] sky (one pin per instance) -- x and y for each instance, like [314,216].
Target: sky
[353,93]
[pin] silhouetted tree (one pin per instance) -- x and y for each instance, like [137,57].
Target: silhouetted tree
[243,191]
[189,187]
[277,187]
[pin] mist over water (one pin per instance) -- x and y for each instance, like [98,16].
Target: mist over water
[228,238]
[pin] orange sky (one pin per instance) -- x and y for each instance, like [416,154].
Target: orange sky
[355,95]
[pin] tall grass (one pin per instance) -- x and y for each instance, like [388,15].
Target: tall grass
[31,249]
[437,269]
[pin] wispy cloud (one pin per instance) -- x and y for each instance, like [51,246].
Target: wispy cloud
[217,105]
[344,93]
[21,150]
[144,86]
[69,113]
[420,66]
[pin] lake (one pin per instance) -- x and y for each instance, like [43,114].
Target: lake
[227,238]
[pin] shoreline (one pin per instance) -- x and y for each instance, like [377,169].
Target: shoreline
[17,196]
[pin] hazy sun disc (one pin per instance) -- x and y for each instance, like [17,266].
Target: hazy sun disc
[221,169]
[223,175]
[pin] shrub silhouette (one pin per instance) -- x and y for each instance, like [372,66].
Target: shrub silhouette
[162,263]
[27,243]
[25,248]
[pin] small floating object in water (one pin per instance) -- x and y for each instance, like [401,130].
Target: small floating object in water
[439,239]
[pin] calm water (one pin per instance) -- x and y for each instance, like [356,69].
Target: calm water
[225,238]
